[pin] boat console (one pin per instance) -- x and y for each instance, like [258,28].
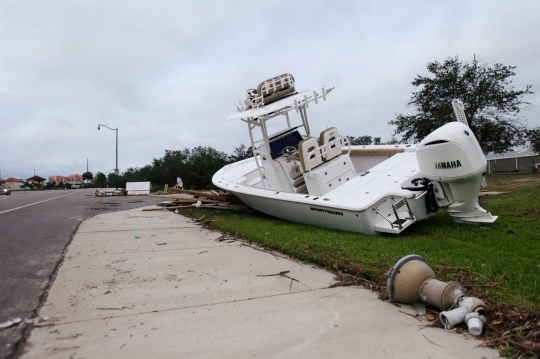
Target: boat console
[288,138]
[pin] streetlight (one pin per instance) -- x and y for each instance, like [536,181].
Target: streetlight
[116,171]
[28,168]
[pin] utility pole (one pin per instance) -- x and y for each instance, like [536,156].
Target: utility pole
[116,170]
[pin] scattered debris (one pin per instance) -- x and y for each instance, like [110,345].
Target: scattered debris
[72,336]
[329,295]
[30,321]
[59,350]
[212,199]
[111,192]
[284,274]
[432,342]
[10,323]
[411,315]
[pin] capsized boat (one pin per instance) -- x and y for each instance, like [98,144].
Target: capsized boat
[324,181]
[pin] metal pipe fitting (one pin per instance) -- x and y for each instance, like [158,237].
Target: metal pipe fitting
[441,294]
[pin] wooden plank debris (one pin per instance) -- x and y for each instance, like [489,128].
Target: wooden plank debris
[211,200]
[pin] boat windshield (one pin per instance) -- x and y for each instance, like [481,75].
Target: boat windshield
[278,143]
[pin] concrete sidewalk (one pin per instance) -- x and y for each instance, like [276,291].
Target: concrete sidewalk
[154,285]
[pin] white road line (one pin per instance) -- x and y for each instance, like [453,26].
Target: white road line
[33,204]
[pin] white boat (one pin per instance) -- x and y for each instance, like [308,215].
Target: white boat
[326,182]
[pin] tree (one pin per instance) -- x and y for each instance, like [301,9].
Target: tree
[360,140]
[492,106]
[101,180]
[88,176]
[365,140]
[534,139]
[200,166]
[195,166]
[241,153]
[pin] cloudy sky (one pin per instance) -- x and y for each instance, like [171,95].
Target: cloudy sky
[167,73]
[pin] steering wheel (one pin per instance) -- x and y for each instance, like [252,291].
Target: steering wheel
[289,151]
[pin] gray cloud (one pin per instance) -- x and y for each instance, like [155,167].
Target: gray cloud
[167,73]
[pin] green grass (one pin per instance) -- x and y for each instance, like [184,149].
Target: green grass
[506,252]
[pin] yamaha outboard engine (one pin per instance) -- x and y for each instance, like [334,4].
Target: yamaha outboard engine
[451,158]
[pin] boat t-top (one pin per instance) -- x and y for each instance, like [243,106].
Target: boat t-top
[319,178]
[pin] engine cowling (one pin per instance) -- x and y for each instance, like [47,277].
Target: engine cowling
[451,155]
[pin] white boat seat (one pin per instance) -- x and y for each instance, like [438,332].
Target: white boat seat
[330,143]
[309,154]
[275,87]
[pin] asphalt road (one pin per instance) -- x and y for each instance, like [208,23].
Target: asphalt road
[35,228]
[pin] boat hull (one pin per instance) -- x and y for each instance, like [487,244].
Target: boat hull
[312,214]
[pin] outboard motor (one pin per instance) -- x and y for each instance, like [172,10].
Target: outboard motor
[451,158]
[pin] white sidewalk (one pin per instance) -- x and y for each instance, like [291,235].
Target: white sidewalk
[152,285]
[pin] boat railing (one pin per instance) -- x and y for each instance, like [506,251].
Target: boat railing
[273,88]
[256,155]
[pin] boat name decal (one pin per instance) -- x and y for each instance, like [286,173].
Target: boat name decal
[327,211]
[447,165]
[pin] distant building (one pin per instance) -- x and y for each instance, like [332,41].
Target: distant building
[36,181]
[56,179]
[65,179]
[521,161]
[2,181]
[75,178]
[14,184]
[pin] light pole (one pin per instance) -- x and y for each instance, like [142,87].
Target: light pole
[116,169]
[32,170]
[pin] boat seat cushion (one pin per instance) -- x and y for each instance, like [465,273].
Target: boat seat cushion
[309,154]
[330,143]
[275,87]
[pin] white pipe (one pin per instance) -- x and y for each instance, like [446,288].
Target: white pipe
[464,313]
[453,317]
[475,323]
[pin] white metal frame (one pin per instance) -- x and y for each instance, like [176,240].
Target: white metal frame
[298,102]
[459,110]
